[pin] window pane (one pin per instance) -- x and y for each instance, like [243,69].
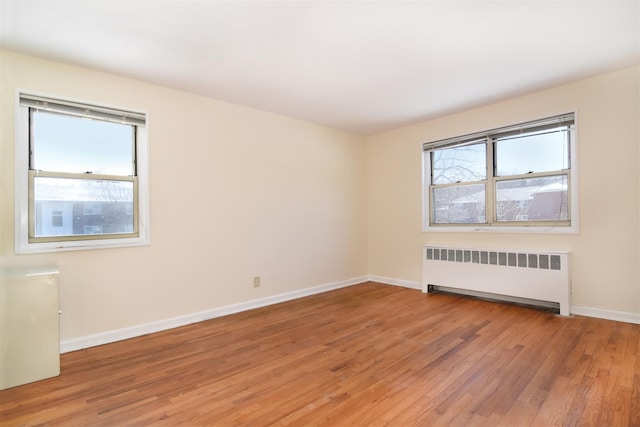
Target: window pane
[75,207]
[63,143]
[459,164]
[532,199]
[459,204]
[544,151]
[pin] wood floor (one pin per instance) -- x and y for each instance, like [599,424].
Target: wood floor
[369,354]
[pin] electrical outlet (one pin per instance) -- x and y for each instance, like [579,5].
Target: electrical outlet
[256,282]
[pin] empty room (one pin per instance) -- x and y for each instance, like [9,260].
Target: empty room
[319,213]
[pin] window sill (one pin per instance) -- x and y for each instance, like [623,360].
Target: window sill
[502,229]
[79,245]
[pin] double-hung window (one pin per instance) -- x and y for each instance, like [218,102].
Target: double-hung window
[517,178]
[81,176]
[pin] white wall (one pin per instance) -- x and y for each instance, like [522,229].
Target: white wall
[235,193]
[604,256]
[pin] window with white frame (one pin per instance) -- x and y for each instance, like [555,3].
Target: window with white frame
[81,176]
[521,177]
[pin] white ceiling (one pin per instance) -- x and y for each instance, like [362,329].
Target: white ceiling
[361,66]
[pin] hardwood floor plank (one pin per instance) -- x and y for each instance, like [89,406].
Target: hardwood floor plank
[369,354]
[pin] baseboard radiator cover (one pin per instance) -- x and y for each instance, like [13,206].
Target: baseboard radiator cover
[523,276]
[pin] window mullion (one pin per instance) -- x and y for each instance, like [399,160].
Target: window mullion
[458,184]
[87,176]
[533,175]
[490,189]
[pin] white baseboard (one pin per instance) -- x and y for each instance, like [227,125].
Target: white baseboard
[174,322]
[580,310]
[396,282]
[620,316]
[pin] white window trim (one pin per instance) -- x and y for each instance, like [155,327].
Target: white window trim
[574,228]
[21,187]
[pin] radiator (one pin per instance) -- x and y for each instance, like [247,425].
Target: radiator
[533,277]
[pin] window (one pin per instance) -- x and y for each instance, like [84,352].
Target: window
[517,178]
[81,176]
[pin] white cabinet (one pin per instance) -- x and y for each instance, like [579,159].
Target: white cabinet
[29,326]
